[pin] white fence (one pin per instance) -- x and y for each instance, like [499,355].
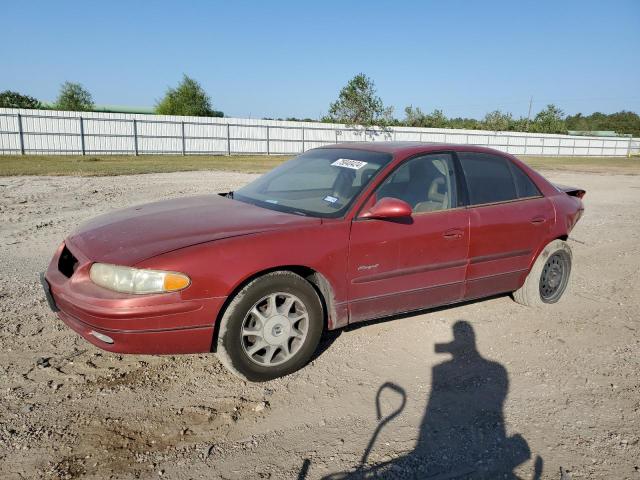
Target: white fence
[85,133]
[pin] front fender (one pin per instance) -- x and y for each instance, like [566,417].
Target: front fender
[220,267]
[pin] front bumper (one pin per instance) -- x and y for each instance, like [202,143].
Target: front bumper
[168,323]
[47,294]
[159,342]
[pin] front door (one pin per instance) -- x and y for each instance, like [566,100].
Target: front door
[408,264]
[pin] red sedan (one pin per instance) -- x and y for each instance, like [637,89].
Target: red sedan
[338,235]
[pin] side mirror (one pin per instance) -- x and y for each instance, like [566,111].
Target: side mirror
[388,207]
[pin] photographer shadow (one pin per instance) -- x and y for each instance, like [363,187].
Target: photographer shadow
[462,433]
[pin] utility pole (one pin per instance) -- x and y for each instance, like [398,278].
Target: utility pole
[529,114]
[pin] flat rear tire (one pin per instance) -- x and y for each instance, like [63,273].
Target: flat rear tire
[549,277]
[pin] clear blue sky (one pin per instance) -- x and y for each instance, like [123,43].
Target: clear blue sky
[290,58]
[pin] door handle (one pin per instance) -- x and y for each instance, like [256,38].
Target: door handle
[538,220]
[453,234]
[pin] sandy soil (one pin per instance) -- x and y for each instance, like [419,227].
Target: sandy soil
[568,374]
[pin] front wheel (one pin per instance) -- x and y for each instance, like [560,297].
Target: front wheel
[271,327]
[548,279]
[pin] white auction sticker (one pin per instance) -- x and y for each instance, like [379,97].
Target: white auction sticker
[330,199]
[348,163]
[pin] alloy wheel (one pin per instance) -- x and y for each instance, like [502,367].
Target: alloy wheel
[274,329]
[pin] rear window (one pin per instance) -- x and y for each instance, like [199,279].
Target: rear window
[524,185]
[489,178]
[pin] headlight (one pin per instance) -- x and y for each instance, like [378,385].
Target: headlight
[136,280]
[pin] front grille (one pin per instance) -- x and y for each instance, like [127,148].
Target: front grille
[67,263]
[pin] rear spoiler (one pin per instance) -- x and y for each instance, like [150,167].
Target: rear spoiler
[571,191]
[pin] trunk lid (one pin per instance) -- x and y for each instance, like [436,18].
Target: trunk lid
[571,191]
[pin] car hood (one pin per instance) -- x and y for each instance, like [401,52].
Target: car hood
[129,236]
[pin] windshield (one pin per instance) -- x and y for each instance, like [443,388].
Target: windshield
[322,183]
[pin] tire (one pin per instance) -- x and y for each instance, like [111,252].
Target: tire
[285,337]
[548,279]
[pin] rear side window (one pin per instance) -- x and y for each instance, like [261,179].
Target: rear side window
[489,178]
[525,187]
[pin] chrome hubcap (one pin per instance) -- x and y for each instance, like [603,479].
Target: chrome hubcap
[274,329]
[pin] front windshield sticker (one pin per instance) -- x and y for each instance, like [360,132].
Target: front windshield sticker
[330,199]
[272,201]
[348,163]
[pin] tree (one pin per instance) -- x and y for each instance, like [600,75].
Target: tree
[620,122]
[465,123]
[579,122]
[414,117]
[359,104]
[188,98]
[498,121]
[519,125]
[623,122]
[74,97]
[436,119]
[9,99]
[549,120]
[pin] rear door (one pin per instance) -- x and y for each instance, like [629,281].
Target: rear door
[509,218]
[407,264]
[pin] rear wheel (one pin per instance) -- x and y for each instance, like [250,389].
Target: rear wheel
[271,327]
[548,279]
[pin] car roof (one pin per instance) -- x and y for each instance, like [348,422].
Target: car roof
[411,148]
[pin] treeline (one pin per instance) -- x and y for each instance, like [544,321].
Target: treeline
[549,120]
[620,122]
[187,98]
[357,104]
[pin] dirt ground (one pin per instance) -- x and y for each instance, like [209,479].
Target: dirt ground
[568,374]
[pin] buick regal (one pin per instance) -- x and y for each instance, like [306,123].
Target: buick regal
[338,235]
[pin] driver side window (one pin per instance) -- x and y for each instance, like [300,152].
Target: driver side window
[426,183]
